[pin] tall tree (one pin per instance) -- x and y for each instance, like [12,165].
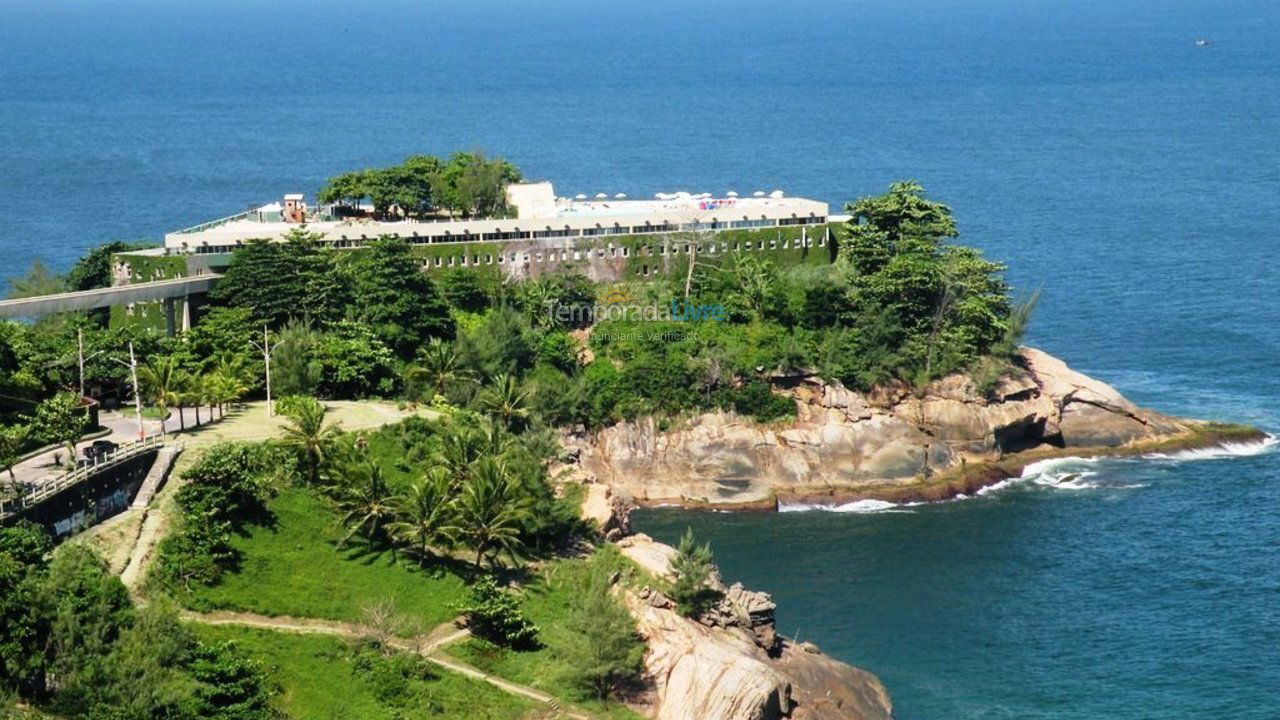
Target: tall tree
[13,438]
[294,367]
[950,304]
[39,280]
[365,500]
[277,281]
[506,402]
[396,299]
[439,366]
[691,572]
[61,419]
[471,184]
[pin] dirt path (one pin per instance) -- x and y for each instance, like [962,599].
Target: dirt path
[248,422]
[425,645]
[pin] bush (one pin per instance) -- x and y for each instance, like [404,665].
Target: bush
[232,685]
[494,614]
[692,568]
[757,399]
[226,490]
[605,652]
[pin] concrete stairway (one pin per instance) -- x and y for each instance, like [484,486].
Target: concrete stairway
[156,476]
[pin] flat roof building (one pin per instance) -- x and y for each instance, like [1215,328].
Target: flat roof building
[539,214]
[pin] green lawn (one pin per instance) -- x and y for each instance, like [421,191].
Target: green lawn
[296,568]
[546,602]
[326,678]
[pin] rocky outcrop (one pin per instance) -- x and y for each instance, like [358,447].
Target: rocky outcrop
[864,443]
[730,664]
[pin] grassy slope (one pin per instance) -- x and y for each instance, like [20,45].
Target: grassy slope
[319,681]
[295,568]
[547,601]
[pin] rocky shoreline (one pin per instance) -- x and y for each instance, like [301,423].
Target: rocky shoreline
[729,663]
[895,444]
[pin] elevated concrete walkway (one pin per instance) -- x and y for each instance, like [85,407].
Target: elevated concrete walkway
[106,297]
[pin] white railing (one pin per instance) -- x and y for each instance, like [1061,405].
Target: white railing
[52,486]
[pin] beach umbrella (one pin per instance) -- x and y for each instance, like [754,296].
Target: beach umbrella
[580,196]
[731,193]
[601,196]
[775,194]
[620,196]
[758,193]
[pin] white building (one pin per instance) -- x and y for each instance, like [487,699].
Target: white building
[539,214]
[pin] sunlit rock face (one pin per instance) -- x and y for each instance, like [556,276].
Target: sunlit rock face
[843,440]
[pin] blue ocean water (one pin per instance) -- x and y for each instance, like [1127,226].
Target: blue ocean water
[1091,145]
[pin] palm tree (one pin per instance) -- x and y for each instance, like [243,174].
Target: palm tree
[207,391]
[306,432]
[193,393]
[364,499]
[232,365]
[425,513]
[505,401]
[491,510]
[225,387]
[438,366]
[459,448]
[162,379]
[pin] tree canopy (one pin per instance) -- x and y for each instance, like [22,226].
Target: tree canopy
[468,184]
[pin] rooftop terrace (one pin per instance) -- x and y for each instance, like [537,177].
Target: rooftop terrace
[538,214]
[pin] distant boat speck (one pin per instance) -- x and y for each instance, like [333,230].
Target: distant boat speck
[1201,42]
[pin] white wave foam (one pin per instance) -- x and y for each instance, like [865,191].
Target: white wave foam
[1064,473]
[857,506]
[1221,452]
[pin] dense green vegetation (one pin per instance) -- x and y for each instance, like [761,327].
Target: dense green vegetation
[901,303]
[73,643]
[327,678]
[467,184]
[588,651]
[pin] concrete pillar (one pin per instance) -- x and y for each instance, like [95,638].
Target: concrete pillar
[186,314]
[169,319]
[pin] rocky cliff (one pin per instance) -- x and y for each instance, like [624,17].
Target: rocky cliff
[730,664]
[895,443]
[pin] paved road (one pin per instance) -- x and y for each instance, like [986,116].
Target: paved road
[123,427]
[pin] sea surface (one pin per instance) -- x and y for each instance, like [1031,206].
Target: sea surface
[1090,144]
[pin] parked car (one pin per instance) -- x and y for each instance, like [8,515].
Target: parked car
[99,449]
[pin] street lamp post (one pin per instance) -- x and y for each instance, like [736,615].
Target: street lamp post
[81,359]
[137,396]
[265,348]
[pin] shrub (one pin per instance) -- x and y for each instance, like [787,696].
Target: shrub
[494,614]
[692,568]
[226,489]
[756,399]
[604,651]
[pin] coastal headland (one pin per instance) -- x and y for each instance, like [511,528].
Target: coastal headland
[894,444]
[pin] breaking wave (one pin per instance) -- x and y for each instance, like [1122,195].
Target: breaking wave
[857,506]
[1220,452]
[1066,473]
